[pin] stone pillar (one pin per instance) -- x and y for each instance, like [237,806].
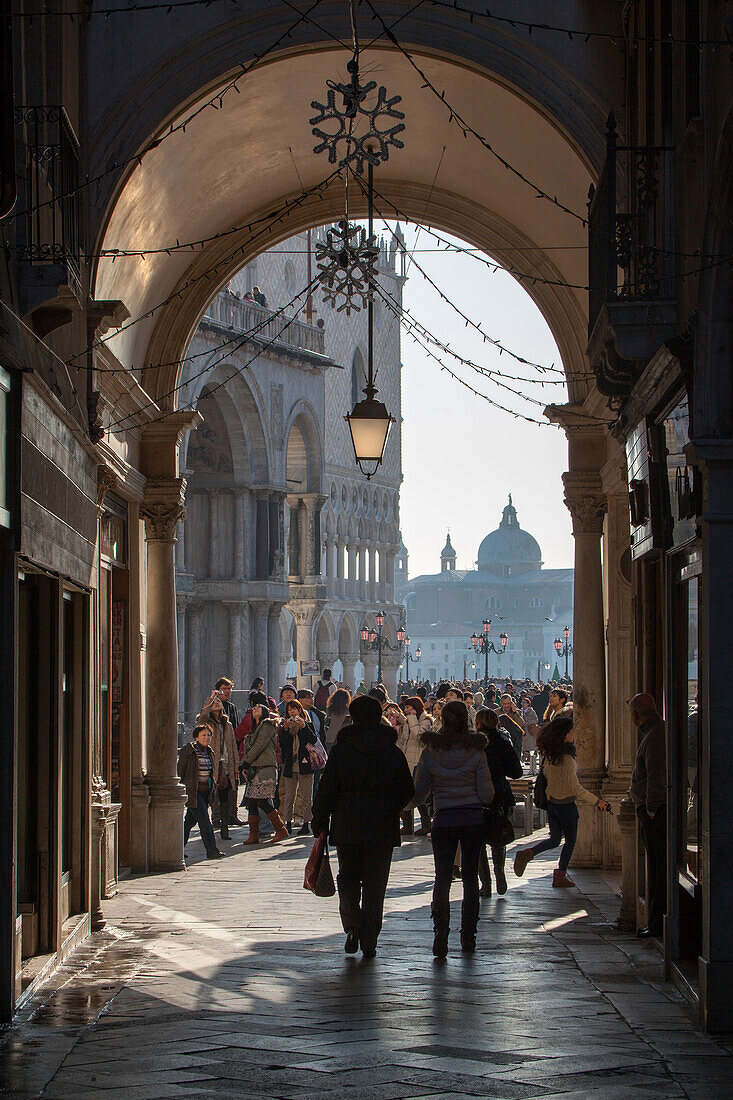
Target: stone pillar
[275,663]
[162,509]
[340,579]
[240,534]
[194,686]
[305,614]
[373,574]
[235,642]
[180,550]
[349,660]
[310,548]
[389,594]
[262,562]
[247,673]
[215,563]
[182,627]
[620,731]
[369,661]
[626,819]
[332,567]
[390,667]
[362,588]
[261,613]
[587,504]
[352,587]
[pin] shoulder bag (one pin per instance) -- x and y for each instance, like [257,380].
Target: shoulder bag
[499,830]
[540,787]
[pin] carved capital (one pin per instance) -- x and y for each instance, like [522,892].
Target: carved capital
[587,512]
[106,480]
[162,508]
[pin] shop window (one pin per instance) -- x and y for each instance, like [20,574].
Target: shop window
[689,730]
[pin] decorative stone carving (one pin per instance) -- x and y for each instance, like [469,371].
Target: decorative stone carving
[106,480]
[587,512]
[162,508]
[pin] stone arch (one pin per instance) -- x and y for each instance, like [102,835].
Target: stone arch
[348,635]
[303,450]
[326,636]
[181,285]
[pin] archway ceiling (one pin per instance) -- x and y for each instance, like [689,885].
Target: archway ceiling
[233,162]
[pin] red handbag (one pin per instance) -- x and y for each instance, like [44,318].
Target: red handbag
[318,878]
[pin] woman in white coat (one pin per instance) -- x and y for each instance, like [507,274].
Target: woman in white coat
[417,723]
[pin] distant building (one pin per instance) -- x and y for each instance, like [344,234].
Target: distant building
[509,587]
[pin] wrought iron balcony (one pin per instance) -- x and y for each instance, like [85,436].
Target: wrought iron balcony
[48,160]
[631,266]
[235,314]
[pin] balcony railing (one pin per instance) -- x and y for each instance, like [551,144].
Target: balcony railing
[49,162]
[244,317]
[630,235]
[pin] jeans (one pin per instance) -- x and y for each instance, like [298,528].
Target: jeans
[362,884]
[562,817]
[445,844]
[654,834]
[254,805]
[200,817]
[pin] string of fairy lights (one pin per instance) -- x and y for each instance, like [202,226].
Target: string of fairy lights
[349,157]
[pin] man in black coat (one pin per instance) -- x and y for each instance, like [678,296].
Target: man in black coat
[364,787]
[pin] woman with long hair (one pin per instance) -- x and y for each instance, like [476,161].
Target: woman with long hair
[556,744]
[296,734]
[436,713]
[417,723]
[337,715]
[453,769]
[504,764]
[260,756]
[224,749]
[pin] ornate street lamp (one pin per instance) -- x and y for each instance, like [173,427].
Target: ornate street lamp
[563,648]
[408,655]
[372,640]
[481,644]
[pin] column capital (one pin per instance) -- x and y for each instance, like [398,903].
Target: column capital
[586,502]
[162,508]
[107,480]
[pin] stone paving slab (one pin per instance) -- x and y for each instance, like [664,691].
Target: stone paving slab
[229,980]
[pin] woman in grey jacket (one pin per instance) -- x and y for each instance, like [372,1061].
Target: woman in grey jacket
[454,770]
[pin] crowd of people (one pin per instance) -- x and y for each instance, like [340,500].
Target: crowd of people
[357,768]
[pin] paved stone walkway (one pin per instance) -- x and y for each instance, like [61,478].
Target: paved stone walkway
[230,980]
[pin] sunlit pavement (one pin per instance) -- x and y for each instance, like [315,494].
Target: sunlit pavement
[230,980]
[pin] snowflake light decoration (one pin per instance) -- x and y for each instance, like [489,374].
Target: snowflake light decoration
[346,264]
[336,128]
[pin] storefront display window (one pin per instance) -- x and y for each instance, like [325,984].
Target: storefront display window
[690,833]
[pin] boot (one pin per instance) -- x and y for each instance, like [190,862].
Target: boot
[233,819]
[407,824]
[224,831]
[281,833]
[441,928]
[560,878]
[254,829]
[499,859]
[521,859]
[424,829]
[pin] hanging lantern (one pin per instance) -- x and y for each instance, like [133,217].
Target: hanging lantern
[369,424]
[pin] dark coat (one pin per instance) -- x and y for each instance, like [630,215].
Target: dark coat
[306,736]
[364,787]
[504,764]
[188,771]
[456,774]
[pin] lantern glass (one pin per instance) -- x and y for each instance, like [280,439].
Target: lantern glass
[474,639]
[380,618]
[369,424]
[503,639]
[372,636]
[407,640]
[400,635]
[487,626]
[364,634]
[418,653]
[558,644]
[566,633]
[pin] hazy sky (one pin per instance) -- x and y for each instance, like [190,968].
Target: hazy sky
[461,456]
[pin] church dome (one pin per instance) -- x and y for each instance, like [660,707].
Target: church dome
[509,544]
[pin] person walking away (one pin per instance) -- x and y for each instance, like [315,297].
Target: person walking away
[531,724]
[196,770]
[296,733]
[510,720]
[337,716]
[453,768]
[259,754]
[364,786]
[504,764]
[324,689]
[417,723]
[556,743]
[649,794]
[226,758]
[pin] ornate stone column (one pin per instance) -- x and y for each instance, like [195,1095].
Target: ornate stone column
[362,587]
[215,532]
[304,614]
[261,612]
[369,660]
[235,641]
[389,594]
[352,587]
[245,646]
[240,534]
[349,660]
[390,666]
[262,545]
[194,698]
[180,550]
[162,509]
[587,504]
[275,662]
[181,602]
[340,580]
[310,548]
[373,574]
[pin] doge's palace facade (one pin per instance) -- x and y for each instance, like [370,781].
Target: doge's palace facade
[287,550]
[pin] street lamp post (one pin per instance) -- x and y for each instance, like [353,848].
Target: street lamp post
[564,649]
[409,657]
[372,640]
[481,644]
